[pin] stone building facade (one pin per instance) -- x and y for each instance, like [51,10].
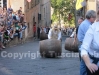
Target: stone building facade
[32,10]
[45,6]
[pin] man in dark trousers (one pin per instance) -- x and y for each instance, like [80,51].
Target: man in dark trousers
[38,32]
[34,30]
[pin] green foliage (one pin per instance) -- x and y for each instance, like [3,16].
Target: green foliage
[56,3]
[54,17]
[63,7]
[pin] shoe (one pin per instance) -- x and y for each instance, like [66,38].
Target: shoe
[3,47]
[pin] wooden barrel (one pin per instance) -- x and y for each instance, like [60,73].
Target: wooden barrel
[43,36]
[70,46]
[50,48]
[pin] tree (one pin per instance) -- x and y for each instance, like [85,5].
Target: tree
[64,9]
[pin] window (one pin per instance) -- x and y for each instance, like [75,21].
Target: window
[32,3]
[39,17]
[36,2]
[27,5]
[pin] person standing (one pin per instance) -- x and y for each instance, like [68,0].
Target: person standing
[90,18]
[38,32]
[20,10]
[9,10]
[34,30]
[80,20]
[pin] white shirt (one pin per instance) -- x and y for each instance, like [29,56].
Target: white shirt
[44,29]
[8,32]
[49,35]
[91,41]
[72,35]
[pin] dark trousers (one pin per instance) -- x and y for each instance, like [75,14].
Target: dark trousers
[18,32]
[38,35]
[95,61]
[79,55]
[89,73]
[34,35]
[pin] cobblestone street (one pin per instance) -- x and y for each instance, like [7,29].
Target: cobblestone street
[36,65]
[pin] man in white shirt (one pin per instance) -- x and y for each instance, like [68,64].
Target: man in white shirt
[84,26]
[90,49]
[54,33]
[43,29]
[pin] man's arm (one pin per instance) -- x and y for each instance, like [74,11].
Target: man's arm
[49,35]
[59,36]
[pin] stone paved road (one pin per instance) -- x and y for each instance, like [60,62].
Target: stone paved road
[36,66]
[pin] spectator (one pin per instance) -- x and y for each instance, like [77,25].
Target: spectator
[12,32]
[24,26]
[10,18]
[17,31]
[10,10]
[1,36]
[14,16]
[14,23]
[21,18]
[21,32]
[20,10]
[6,34]
[34,30]
[8,23]
[18,17]
[38,32]
[80,20]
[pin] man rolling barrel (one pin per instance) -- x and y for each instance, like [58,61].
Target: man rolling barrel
[54,33]
[52,46]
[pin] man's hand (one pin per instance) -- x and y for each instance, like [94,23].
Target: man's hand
[92,67]
[74,41]
[70,37]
